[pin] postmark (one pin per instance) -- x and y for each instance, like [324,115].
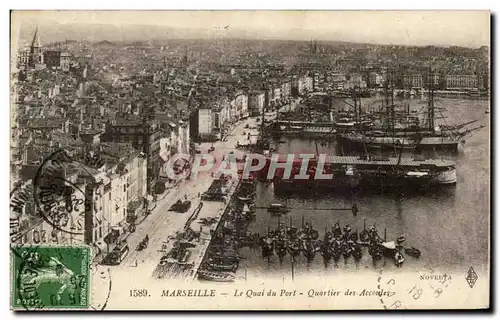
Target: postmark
[413,290]
[23,214]
[101,286]
[60,202]
[50,277]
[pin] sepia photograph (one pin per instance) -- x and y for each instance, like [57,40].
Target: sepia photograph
[250,160]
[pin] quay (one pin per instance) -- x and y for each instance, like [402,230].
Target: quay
[206,235]
[181,240]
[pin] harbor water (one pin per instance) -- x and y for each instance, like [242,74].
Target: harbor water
[449,225]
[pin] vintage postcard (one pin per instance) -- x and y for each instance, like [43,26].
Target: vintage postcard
[250,160]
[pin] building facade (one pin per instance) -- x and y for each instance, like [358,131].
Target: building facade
[461,81]
[256,102]
[413,80]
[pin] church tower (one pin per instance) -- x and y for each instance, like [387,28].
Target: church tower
[36,53]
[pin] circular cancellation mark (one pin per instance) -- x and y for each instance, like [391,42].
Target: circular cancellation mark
[56,198]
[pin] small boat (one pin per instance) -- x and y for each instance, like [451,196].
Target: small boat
[229,255]
[216,276]
[293,248]
[245,199]
[314,234]
[309,250]
[280,249]
[336,254]
[401,239]
[388,246]
[336,231]
[376,252]
[413,252]
[353,236]
[398,258]
[346,250]
[357,253]
[278,208]
[223,265]
[208,221]
[267,245]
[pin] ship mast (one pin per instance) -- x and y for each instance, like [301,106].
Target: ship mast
[389,103]
[393,116]
[430,109]
[357,110]
[355,99]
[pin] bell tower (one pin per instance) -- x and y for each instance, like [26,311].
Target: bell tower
[36,54]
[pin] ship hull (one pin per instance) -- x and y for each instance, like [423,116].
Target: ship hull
[349,172]
[447,178]
[389,143]
[326,134]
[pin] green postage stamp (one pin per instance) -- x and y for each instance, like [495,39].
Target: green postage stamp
[50,277]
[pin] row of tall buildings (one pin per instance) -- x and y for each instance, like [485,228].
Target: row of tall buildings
[446,81]
[408,80]
[211,121]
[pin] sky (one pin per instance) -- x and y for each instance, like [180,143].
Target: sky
[445,28]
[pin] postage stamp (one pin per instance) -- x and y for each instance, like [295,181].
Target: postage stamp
[50,277]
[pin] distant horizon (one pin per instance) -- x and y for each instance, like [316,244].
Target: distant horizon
[118,42]
[470,29]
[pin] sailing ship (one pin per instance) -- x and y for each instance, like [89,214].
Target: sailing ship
[216,276]
[404,130]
